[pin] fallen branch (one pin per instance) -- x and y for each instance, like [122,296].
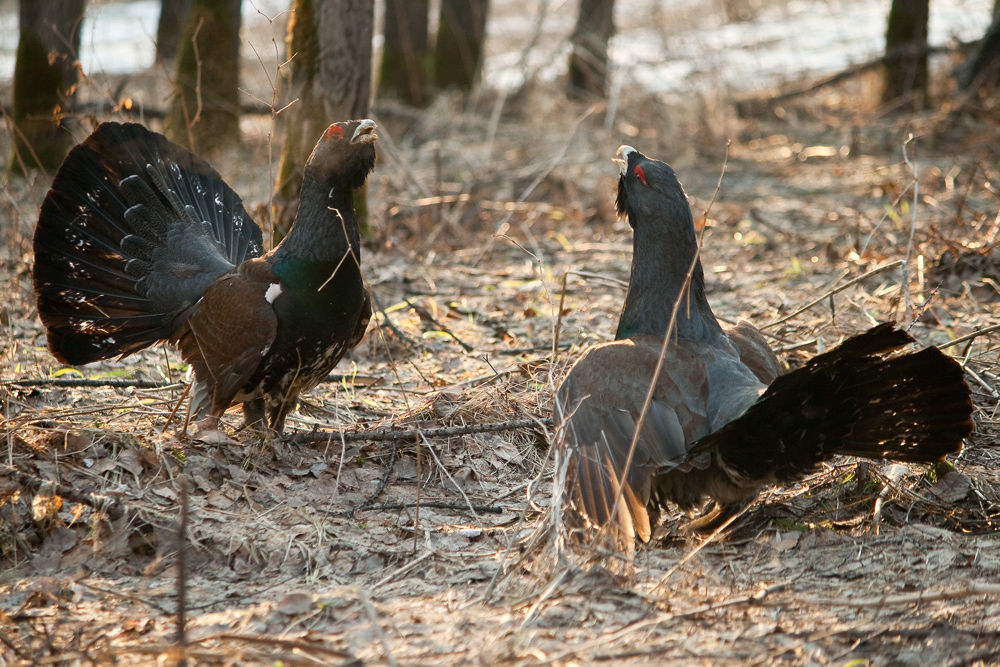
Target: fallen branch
[152,384]
[111,507]
[486,509]
[754,105]
[410,433]
[91,382]
[278,642]
[968,589]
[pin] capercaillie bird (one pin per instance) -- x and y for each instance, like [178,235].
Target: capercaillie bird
[140,241]
[722,421]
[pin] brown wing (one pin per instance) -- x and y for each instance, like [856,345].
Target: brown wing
[755,353]
[597,408]
[230,331]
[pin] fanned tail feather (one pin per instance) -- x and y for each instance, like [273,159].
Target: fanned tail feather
[852,400]
[132,232]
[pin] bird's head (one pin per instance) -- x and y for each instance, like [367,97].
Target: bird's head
[345,153]
[648,189]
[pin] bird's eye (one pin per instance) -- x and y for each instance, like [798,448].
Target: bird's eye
[334,132]
[640,174]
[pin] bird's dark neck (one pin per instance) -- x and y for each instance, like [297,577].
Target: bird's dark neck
[661,259]
[325,228]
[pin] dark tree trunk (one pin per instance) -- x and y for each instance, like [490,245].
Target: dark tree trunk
[330,75]
[173,14]
[588,62]
[458,51]
[906,48]
[45,75]
[982,69]
[208,74]
[403,71]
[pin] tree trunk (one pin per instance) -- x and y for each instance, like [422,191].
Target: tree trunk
[588,62]
[906,51]
[403,71]
[45,76]
[173,14]
[330,75]
[205,112]
[458,51]
[982,68]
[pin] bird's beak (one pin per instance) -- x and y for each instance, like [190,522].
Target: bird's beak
[623,153]
[365,133]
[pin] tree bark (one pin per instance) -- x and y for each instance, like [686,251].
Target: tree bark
[982,68]
[403,71]
[45,75]
[330,76]
[459,46]
[588,62]
[906,35]
[204,115]
[173,14]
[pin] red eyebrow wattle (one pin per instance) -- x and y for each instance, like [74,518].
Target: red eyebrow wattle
[640,174]
[334,130]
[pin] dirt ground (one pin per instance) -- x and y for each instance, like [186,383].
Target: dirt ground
[338,545]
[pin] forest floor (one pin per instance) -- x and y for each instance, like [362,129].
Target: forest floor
[432,549]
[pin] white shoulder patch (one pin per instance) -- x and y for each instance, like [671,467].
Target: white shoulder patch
[272,293]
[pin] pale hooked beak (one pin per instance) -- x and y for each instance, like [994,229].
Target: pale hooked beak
[365,133]
[623,151]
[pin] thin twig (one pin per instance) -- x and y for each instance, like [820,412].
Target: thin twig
[391,434]
[646,624]
[836,290]
[975,334]
[694,552]
[447,474]
[907,311]
[373,617]
[380,489]
[504,225]
[559,314]
[406,568]
[424,315]
[392,326]
[893,476]
[181,640]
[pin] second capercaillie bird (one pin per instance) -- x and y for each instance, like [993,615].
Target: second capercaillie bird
[721,422]
[140,241]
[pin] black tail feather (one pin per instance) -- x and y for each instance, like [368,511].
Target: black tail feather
[132,232]
[852,400]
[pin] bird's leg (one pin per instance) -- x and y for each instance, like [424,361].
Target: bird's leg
[253,414]
[280,411]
